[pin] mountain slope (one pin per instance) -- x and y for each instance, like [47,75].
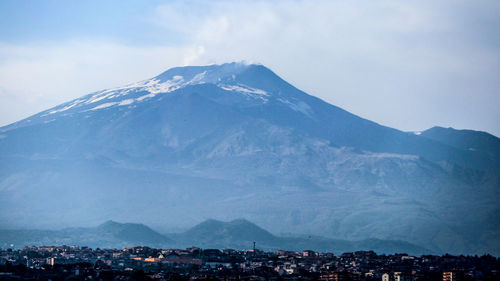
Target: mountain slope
[239,229]
[237,234]
[467,140]
[240,234]
[235,140]
[107,235]
[240,92]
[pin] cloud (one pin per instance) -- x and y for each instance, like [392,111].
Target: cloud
[35,77]
[409,65]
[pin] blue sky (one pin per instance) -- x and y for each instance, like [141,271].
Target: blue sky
[123,21]
[409,65]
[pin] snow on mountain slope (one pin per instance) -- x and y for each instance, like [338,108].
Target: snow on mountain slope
[142,91]
[235,140]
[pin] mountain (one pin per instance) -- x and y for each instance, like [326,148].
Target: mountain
[236,234]
[235,140]
[478,141]
[240,234]
[107,235]
[239,229]
[132,233]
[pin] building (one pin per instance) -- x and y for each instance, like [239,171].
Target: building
[397,276]
[308,253]
[453,276]
[400,276]
[336,276]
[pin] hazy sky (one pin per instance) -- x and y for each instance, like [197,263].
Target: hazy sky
[405,64]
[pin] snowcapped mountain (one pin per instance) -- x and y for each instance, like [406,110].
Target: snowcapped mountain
[235,140]
[129,95]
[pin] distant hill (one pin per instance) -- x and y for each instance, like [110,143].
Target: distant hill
[236,234]
[466,140]
[236,230]
[132,233]
[107,235]
[240,234]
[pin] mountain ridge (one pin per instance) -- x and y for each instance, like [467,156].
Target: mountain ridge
[271,95]
[237,234]
[466,139]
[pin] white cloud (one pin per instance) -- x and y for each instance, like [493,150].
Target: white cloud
[408,64]
[35,77]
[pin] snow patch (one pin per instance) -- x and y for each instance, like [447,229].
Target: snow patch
[99,97]
[145,97]
[104,105]
[390,155]
[244,89]
[197,79]
[298,106]
[66,107]
[126,102]
[146,89]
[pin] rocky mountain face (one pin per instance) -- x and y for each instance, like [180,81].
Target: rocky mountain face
[235,140]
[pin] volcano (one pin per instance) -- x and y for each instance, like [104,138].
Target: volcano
[236,141]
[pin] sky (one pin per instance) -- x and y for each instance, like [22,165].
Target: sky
[409,65]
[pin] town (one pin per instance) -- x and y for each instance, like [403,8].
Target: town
[144,263]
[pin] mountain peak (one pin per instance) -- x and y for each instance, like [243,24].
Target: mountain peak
[241,221]
[212,72]
[469,140]
[109,224]
[238,78]
[113,225]
[130,232]
[238,227]
[240,74]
